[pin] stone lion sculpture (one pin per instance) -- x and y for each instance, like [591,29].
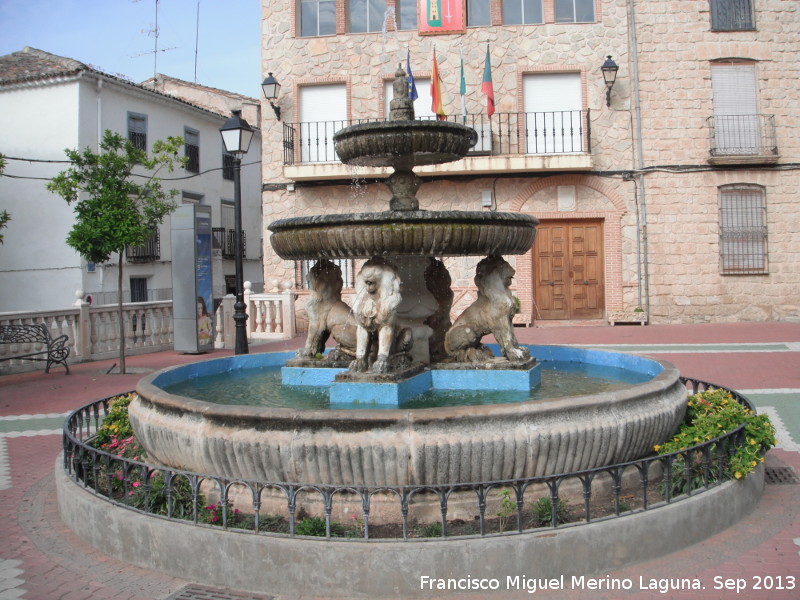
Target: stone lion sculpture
[492,312]
[328,315]
[377,298]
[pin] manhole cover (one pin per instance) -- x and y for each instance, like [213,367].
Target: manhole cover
[781,476]
[199,592]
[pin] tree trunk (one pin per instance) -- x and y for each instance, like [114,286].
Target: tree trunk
[121,320]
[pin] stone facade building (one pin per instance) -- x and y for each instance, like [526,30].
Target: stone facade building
[667,198]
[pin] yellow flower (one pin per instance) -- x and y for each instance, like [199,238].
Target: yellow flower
[738,475]
[657,448]
[753,464]
[752,442]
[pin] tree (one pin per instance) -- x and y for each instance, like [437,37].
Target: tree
[4,216]
[113,209]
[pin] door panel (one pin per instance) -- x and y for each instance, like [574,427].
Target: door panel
[568,270]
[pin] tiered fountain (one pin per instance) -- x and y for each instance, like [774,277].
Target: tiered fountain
[397,340]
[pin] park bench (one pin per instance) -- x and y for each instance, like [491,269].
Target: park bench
[54,351]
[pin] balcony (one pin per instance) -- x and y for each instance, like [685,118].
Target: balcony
[743,140]
[150,251]
[225,240]
[507,143]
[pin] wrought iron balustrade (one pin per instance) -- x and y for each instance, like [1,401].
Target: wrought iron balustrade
[743,135]
[150,251]
[553,132]
[608,492]
[225,240]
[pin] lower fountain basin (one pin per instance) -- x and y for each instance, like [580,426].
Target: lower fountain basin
[403,233]
[395,447]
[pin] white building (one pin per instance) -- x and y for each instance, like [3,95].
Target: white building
[49,103]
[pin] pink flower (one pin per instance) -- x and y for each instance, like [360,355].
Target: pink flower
[135,484]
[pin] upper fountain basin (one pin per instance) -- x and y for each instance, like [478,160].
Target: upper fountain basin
[403,233]
[403,143]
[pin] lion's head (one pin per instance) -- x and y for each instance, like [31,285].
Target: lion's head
[378,291]
[493,276]
[325,282]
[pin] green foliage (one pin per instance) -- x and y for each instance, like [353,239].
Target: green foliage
[116,425]
[709,415]
[543,511]
[507,508]
[430,530]
[315,526]
[112,209]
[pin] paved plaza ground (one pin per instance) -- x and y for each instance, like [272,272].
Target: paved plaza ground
[40,559]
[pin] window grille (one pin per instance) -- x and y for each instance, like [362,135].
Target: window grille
[743,231]
[227,166]
[302,268]
[731,15]
[192,148]
[138,289]
[137,130]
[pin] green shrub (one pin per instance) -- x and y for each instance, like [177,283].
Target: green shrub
[543,511]
[709,415]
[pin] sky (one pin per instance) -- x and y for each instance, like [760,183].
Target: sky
[118,37]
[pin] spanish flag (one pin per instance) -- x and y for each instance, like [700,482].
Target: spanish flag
[486,85]
[436,91]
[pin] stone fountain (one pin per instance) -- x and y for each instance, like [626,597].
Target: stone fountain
[399,332]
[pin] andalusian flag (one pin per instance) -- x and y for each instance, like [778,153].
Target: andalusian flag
[463,89]
[412,86]
[486,86]
[436,91]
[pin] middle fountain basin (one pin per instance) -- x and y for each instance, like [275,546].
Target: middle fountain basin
[396,447]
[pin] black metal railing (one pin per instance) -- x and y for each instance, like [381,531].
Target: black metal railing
[743,135]
[608,492]
[148,252]
[225,240]
[554,132]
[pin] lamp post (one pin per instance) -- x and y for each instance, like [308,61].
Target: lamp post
[609,70]
[237,135]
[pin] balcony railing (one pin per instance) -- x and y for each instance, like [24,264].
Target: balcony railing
[225,240]
[743,136]
[555,132]
[150,251]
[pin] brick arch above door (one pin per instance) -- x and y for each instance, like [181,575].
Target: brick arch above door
[612,235]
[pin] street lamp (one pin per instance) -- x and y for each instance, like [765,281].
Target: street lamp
[609,70]
[271,87]
[237,135]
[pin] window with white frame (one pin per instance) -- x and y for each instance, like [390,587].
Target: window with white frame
[574,11]
[519,12]
[732,15]
[317,17]
[365,16]
[323,112]
[743,230]
[737,127]
[553,104]
[479,13]
[406,14]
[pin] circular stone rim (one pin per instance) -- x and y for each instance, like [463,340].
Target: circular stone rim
[328,241]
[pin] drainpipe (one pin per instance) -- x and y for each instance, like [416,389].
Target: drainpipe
[99,113]
[642,257]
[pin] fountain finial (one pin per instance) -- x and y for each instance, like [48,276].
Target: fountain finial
[401,108]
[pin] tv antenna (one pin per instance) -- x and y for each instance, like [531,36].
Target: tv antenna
[154,33]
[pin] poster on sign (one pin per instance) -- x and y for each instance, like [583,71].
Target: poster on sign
[441,16]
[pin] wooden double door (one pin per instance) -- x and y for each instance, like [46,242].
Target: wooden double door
[568,270]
